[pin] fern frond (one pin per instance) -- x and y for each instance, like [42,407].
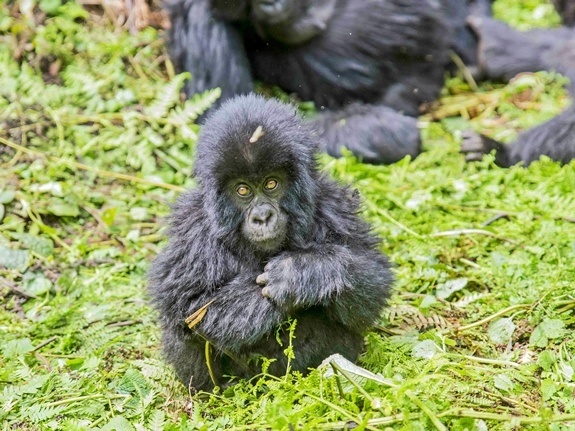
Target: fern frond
[38,413]
[168,96]
[468,299]
[156,421]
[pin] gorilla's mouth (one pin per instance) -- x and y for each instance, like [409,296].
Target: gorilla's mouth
[268,237]
[265,226]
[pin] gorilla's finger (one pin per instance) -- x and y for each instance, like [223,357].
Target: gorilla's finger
[263,279]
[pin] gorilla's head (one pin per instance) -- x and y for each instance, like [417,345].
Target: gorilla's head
[255,164]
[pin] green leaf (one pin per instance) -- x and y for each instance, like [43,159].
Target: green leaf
[548,389]
[156,420]
[553,328]
[546,330]
[50,6]
[14,259]
[109,215]
[428,301]
[18,347]
[425,349]
[445,290]
[7,196]
[118,423]
[546,360]
[500,331]
[38,244]
[63,209]
[168,96]
[135,384]
[38,285]
[503,382]
[538,338]
[39,413]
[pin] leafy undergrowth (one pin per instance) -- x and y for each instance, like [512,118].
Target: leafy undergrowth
[96,143]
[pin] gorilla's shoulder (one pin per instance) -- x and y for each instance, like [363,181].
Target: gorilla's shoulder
[338,197]
[337,212]
[188,214]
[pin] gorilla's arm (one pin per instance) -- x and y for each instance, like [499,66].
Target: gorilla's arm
[209,48]
[504,51]
[374,134]
[239,314]
[351,282]
[182,293]
[555,139]
[340,270]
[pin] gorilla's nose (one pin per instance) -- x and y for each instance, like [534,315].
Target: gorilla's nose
[262,215]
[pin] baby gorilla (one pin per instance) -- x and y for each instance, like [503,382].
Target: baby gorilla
[264,237]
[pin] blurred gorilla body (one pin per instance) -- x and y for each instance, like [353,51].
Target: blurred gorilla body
[366,64]
[566,9]
[291,22]
[503,52]
[264,237]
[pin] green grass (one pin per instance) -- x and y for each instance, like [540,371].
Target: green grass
[478,334]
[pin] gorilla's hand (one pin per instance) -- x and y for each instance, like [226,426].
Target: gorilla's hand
[278,282]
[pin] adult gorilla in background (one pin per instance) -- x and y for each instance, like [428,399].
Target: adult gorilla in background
[264,237]
[566,9]
[367,65]
[503,52]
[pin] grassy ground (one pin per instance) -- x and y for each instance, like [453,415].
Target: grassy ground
[96,143]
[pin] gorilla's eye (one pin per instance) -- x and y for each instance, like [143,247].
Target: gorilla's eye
[243,190]
[271,184]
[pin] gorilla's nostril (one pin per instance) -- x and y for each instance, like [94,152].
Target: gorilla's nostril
[261,216]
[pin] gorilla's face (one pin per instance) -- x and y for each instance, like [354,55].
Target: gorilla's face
[264,223]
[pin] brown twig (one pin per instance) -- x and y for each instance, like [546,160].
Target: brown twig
[496,217]
[461,232]
[196,317]
[123,323]
[12,287]
[508,213]
[45,343]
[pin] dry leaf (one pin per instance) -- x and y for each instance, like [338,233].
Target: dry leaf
[196,317]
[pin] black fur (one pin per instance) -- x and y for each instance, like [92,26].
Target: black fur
[291,21]
[554,139]
[505,52]
[209,47]
[368,128]
[328,273]
[566,9]
[390,53]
